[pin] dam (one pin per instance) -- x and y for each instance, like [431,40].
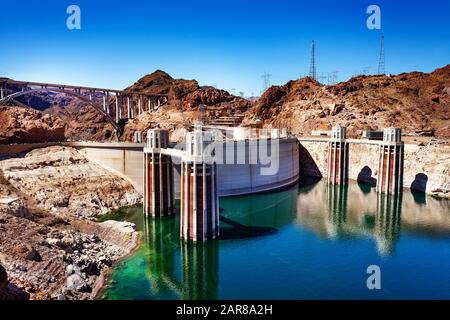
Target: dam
[298,155]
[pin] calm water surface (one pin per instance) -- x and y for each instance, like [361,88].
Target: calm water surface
[309,242]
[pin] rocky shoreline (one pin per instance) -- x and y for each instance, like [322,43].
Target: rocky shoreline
[50,245]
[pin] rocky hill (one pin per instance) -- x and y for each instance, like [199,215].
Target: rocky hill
[51,246]
[22,125]
[187,103]
[417,102]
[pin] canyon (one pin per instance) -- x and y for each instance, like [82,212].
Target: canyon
[52,246]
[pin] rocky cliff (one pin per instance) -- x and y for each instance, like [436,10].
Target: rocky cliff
[417,102]
[187,103]
[50,246]
[22,125]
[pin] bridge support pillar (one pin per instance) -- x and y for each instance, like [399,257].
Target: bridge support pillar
[117,108]
[390,167]
[199,196]
[338,156]
[107,103]
[158,175]
[104,102]
[139,111]
[128,108]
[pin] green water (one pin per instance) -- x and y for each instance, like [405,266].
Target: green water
[309,242]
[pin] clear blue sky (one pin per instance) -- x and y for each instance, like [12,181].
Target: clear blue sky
[227,43]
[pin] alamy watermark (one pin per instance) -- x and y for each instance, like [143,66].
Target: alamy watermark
[260,147]
[374,20]
[73,21]
[374,280]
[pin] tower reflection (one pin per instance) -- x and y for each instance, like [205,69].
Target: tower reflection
[388,221]
[346,211]
[166,252]
[200,270]
[337,208]
[162,240]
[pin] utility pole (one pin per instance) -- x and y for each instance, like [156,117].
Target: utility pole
[312,66]
[381,62]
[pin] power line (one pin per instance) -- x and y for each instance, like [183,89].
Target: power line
[332,77]
[321,78]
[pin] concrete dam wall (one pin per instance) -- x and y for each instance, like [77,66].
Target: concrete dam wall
[233,179]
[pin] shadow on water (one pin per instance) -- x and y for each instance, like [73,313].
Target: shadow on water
[240,231]
[307,183]
[257,214]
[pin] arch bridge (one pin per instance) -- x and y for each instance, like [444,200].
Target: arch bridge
[115,105]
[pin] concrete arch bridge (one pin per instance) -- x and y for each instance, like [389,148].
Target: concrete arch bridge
[115,105]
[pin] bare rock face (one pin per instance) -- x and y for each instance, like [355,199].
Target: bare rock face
[49,246]
[63,181]
[187,103]
[417,102]
[82,121]
[22,125]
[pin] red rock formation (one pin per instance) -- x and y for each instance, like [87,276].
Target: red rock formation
[187,102]
[21,125]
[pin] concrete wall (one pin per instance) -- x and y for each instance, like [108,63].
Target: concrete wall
[236,179]
[426,168]
[127,161]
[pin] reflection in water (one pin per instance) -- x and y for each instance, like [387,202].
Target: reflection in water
[162,249]
[199,261]
[366,214]
[387,221]
[337,208]
[364,228]
[200,270]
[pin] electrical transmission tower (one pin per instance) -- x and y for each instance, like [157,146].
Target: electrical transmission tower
[366,71]
[266,81]
[332,77]
[312,67]
[381,64]
[321,78]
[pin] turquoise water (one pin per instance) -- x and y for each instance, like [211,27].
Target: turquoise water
[309,242]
